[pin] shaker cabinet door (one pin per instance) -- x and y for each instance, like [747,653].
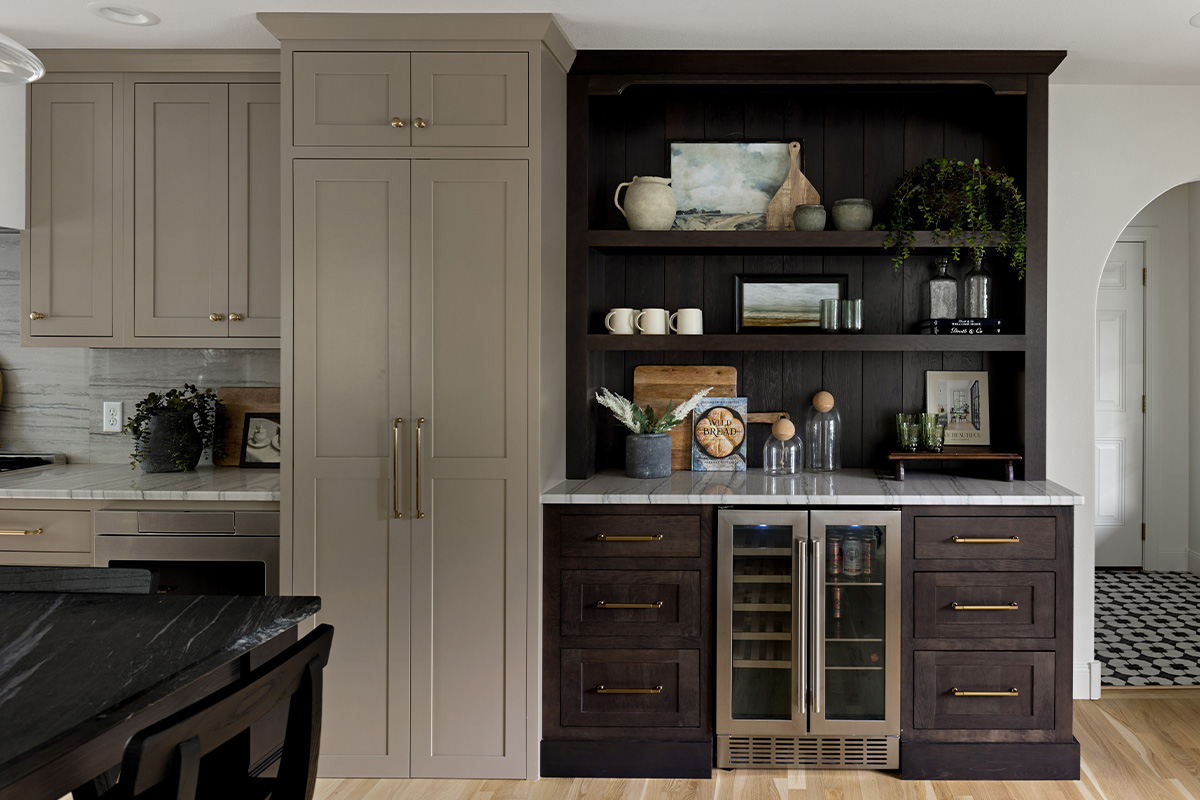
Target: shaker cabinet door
[351,99]
[470,99]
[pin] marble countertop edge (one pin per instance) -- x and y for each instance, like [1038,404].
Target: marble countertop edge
[119,482]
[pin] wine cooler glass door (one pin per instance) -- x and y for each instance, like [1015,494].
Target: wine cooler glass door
[855,570]
[761,672]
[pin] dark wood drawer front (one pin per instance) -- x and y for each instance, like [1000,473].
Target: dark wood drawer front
[589,678]
[593,599]
[937,675]
[606,536]
[936,593]
[934,537]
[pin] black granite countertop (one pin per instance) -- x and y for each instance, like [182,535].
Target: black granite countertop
[68,659]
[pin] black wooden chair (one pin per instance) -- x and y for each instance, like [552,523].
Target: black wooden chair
[99,580]
[166,760]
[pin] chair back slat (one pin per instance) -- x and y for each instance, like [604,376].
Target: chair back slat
[75,580]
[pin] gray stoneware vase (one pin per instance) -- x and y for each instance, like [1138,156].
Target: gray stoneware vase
[648,455]
[169,433]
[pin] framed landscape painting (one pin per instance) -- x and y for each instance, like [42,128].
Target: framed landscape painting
[783,303]
[726,186]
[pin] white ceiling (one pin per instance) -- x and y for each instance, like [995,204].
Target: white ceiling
[1109,41]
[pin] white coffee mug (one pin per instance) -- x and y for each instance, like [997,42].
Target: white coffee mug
[620,320]
[651,320]
[688,321]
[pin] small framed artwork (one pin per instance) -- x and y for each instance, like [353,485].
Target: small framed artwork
[783,303]
[961,401]
[260,440]
[726,186]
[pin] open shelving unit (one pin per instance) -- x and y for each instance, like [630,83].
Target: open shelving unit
[864,119]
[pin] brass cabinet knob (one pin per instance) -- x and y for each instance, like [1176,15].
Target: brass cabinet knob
[215,317]
[36,315]
[397,122]
[420,123]
[235,317]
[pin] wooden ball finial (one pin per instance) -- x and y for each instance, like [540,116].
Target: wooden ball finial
[783,429]
[822,401]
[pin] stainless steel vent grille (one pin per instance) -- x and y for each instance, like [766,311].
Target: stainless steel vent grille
[820,752]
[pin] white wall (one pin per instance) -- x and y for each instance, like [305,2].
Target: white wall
[1113,149]
[1193,560]
[12,157]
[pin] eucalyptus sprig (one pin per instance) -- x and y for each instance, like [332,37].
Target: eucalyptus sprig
[952,198]
[208,414]
[647,420]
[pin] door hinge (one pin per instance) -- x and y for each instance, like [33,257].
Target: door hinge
[1143,531]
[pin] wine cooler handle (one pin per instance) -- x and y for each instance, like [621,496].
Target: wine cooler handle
[818,623]
[799,604]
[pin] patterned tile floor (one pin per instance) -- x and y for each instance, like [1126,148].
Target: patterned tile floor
[1148,628]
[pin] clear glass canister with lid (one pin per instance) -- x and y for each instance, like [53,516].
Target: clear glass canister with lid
[822,435]
[783,453]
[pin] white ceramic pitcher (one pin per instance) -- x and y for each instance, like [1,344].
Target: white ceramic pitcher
[649,203]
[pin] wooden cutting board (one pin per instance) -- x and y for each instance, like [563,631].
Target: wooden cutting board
[657,386]
[796,191]
[238,401]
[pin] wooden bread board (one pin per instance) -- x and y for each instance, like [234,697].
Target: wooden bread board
[238,401]
[657,386]
[796,190]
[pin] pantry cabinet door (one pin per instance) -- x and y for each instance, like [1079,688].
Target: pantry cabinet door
[351,383]
[470,257]
[181,210]
[71,193]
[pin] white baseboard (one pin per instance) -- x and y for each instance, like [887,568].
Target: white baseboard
[1169,561]
[1194,562]
[1086,681]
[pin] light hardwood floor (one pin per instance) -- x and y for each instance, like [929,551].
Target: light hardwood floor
[1137,745]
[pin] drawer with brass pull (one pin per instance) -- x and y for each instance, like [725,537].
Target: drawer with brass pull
[45,531]
[630,536]
[977,690]
[979,605]
[966,538]
[643,688]
[630,603]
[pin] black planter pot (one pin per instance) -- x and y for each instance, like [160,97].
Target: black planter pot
[171,442]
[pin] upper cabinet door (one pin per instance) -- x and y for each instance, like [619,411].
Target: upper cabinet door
[254,297]
[71,210]
[181,210]
[355,99]
[470,99]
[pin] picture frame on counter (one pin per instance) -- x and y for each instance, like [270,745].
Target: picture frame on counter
[961,401]
[261,441]
[783,303]
[726,186]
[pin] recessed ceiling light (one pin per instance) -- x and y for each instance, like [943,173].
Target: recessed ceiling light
[1195,20]
[124,14]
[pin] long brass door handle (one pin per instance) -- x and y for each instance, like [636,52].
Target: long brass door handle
[602,689]
[600,537]
[396,423]
[420,513]
[1010,693]
[602,604]
[37,532]
[967,540]
[961,607]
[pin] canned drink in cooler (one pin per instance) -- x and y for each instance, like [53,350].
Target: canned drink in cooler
[868,554]
[834,553]
[852,551]
[835,607]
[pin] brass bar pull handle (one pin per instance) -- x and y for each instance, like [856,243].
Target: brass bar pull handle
[420,513]
[602,689]
[961,607]
[1010,693]
[967,540]
[600,537]
[602,604]
[37,532]
[396,423]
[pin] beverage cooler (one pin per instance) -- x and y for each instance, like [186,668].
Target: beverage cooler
[808,638]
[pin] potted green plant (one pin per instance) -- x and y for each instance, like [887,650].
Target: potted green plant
[172,430]
[957,199]
[648,447]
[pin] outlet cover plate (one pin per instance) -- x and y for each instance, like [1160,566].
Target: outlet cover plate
[113,417]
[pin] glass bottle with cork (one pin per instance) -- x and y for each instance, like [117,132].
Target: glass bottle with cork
[822,435]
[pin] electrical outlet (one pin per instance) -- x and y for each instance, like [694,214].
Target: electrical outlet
[113,417]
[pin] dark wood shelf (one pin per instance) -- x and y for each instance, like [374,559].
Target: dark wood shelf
[808,341]
[758,241]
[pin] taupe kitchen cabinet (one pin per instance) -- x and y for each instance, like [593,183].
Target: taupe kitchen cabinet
[206,210]
[411,361]
[49,534]
[411,99]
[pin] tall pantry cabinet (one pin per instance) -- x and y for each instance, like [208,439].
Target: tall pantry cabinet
[423,294]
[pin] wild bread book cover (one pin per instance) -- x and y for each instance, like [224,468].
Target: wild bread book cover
[719,435]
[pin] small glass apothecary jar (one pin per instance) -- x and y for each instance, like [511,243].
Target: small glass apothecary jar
[822,435]
[783,453]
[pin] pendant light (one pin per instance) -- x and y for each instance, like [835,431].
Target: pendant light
[17,64]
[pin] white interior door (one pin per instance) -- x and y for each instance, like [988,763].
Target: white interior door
[1120,374]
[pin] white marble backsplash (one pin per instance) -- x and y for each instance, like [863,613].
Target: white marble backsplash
[53,396]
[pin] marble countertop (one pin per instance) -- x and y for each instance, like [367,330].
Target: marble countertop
[844,487]
[119,482]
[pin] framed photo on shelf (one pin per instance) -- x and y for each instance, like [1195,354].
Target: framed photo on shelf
[727,186]
[260,441]
[961,401]
[783,303]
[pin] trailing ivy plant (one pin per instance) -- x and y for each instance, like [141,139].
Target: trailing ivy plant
[957,199]
[208,414]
